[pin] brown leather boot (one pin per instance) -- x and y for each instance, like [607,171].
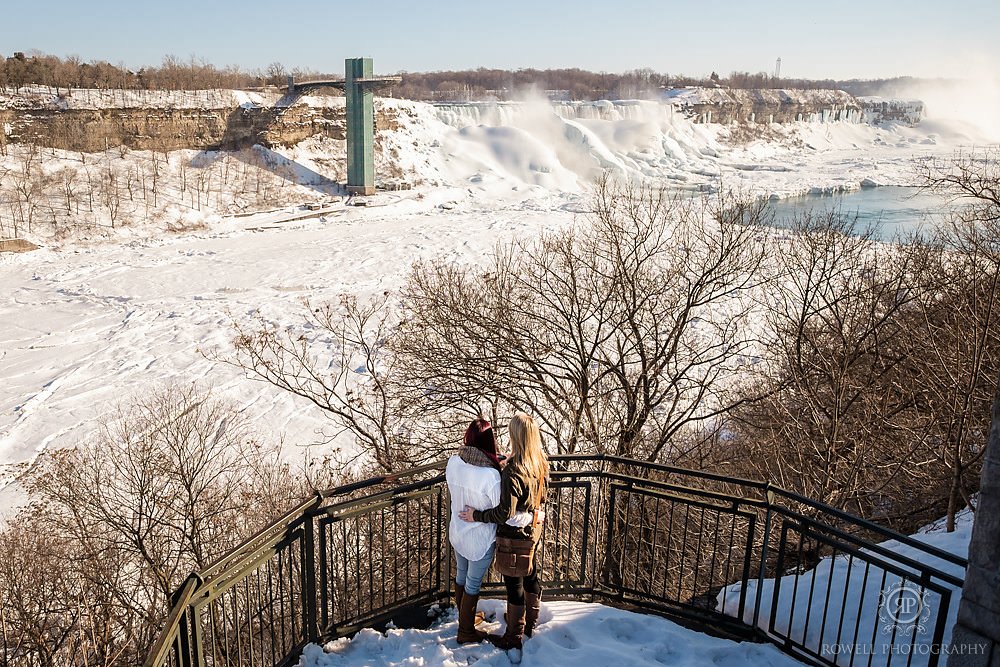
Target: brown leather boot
[467,633]
[511,638]
[459,592]
[532,605]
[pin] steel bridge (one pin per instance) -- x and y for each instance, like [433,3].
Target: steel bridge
[302,87]
[647,537]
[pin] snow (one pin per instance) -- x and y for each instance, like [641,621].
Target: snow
[97,316]
[35,97]
[81,328]
[861,605]
[568,633]
[561,146]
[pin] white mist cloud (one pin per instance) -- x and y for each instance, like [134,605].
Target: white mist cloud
[968,105]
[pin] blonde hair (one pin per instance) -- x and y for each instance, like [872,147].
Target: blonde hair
[526,448]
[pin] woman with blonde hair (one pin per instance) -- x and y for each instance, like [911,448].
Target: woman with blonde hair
[522,492]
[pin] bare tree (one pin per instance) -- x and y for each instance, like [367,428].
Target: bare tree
[6,198]
[41,604]
[840,422]
[68,183]
[155,171]
[610,332]
[28,180]
[131,178]
[959,325]
[618,333]
[276,74]
[87,570]
[90,189]
[337,360]
[111,195]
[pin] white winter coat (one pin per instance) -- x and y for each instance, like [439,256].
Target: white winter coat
[479,488]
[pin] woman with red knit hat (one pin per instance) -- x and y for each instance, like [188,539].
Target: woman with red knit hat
[473,476]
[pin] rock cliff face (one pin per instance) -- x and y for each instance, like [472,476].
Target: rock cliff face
[95,120]
[724,105]
[172,127]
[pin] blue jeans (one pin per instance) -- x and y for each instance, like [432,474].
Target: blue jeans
[469,574]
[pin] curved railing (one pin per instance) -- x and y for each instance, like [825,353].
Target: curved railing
[731,556]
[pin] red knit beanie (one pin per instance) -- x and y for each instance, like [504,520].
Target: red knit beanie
[480,435]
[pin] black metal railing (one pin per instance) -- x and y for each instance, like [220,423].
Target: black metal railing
[732,556]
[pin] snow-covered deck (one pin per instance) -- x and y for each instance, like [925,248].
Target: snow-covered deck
[569,633]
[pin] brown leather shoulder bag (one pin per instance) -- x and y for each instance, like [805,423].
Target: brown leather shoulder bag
[515,557]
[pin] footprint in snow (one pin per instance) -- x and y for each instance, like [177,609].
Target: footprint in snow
[564,638]
[623,629]
[665,654]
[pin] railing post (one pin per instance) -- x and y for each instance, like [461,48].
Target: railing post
[184,640]
[612,563]
[762,573]
[184,626]
[441,553]
[944,606]
[601,515]
[309,579]
[197,656]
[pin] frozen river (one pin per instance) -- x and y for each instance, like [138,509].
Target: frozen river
[895,210]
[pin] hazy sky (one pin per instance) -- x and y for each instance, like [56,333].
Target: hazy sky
[814,38]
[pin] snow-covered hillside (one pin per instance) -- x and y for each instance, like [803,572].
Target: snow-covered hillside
[84,323]
[495,151]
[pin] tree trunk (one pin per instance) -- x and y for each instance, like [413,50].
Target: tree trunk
[979,613]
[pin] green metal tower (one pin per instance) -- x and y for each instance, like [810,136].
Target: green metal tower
[359,88]
[360,127]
